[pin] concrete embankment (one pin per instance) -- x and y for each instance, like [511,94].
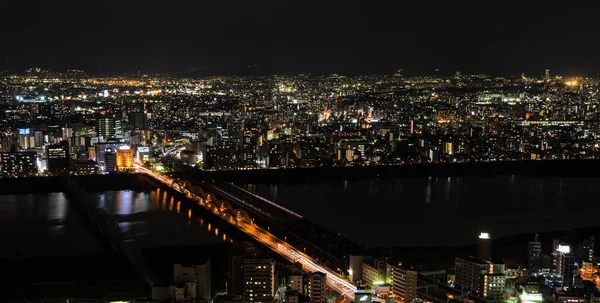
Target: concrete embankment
[549,168]
[91,183]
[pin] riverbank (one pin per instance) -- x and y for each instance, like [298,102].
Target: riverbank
[513,248]
[549,168]
[91,183]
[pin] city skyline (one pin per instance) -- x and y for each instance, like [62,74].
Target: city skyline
[284,151]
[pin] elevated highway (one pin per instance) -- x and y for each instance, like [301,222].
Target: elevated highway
[241,220]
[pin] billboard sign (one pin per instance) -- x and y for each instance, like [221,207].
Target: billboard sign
[363,297]
[143,149]
[24,131]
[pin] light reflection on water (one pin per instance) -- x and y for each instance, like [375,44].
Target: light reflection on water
[48,225]
[147,217]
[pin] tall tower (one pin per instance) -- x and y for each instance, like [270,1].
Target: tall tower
[534,255]
[484,247]
[547,75]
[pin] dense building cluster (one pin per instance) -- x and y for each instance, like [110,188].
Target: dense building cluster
[293,121]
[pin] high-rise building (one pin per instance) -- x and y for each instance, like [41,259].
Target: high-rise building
[106,127]
[316,287]
[9,144]
[67,132]
[249,147]
[557,257]
[26,142]
[370,275]
[585,250]
[138,120]
[484,247]
[534,255]
[119,130]
[18,164]
[38,137]
[404,283]
[110,160]
[567,263]
[259,280]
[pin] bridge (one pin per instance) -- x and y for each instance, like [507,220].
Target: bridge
[241,220]
[319,242]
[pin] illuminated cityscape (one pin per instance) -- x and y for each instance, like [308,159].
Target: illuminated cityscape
[299,152]
[303,121]
[170,129]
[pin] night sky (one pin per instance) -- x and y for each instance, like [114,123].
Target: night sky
[287,37]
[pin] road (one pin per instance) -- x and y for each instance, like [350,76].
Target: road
[334,281]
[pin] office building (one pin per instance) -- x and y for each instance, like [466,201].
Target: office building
[143,154]
[67,132]
[57,156]
[316,287]
[567,263]
[18,164]
[249,147]
[9,144]
[38,138]
[585,250]
[110,160]
[106,127]
[198,275]
[100,152]
[534,255]
[138,120]
[484,247]
[557,257]
[259,280]
[86,168]
[493,287]
[124,157]
[469,274]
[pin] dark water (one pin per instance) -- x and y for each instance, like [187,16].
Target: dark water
[441,211]
[47,225]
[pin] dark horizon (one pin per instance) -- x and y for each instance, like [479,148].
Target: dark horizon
[349,38]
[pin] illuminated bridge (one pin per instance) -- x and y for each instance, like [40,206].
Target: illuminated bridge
[236,210]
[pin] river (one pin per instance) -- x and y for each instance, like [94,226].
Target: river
[47,224]
[391,212]
[416,212]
